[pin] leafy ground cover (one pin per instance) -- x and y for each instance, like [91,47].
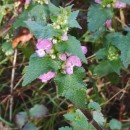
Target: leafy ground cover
[64,65]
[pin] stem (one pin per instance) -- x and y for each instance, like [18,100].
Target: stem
[122,18]
[12,85]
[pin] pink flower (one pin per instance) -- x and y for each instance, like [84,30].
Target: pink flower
[63,57]
[69,70]
[64,37]
[44,44]
[73,61]
[27,2]
[98,1]
[70,63]
[108,23]
[47,76]
[119,4]
[40,52]
[84,49]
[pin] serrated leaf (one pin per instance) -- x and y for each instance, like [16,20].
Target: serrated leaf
[72,87]
[38,111]
[72,46]
[97,16]
[19,21]
[72,20]
[122,43]
[107,67]
[78,120]
[126,1]
[94,106]
[40,31]
[38,66]
[54,10]
[21,119]
[115,124]
[98,117]
[29,126]
[65,128]
[39,13]
[102,53]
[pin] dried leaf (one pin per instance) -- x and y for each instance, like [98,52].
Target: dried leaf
[23,39]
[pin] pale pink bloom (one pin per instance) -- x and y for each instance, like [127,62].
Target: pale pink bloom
[84,49]
[73,61]
[45,44]
[70,63]
[62,57]
[108,23]
[69,70]
[119,4]
[40,52]
[98,1]
[47,76]
[27,2]
[64,37]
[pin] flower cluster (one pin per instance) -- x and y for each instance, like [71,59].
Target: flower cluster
[42,1]
[112,3]
[43,46]
[61,25]
[71,61]
[112,53]
[47,47]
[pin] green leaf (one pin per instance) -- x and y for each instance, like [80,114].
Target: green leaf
[38,66]
[21,119]
[54,10]
[126,1]
[19,21]
[94,106]
[1,17]
[38,111]
[79,121]
[97,16]
[65,128]
[98,117]
[72,87]
[30,126]
[102,53]
[107,67]
[122,43]
[39,14]
[115,124]
[7,48]
[72,46]
[41,31]
[72,20]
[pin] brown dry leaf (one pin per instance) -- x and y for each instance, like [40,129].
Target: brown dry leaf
[23,39]
[4,127]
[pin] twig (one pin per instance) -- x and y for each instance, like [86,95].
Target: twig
[91,56]
[18,82]
[12,85]
[122,18]
[122,90]
[69,3]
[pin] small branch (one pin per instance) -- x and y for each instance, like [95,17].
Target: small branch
[122,90]
[122,18]
[91,56]
[12,85]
